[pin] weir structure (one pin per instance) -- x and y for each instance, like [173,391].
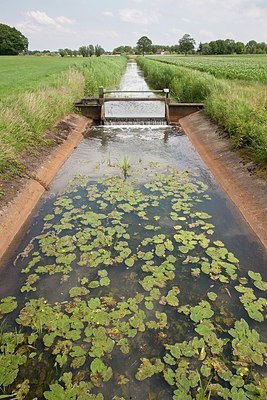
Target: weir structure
[94,107]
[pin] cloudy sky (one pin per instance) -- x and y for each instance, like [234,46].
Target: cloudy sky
[54,24]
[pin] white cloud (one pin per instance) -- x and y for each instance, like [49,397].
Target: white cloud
[39,21]
[138,17]
[100,34]
[187,20]
[64,20]
[256,12]
[177,32]
[108,13]
[207,34]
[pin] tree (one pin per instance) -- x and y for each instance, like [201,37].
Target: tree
[186,44]
[99,50]
[68,52]
[83,50]
[204,48]
[251,47]
[240,48]
[123,50]
[12,41]
[62,52]
[91,50]
[144,45]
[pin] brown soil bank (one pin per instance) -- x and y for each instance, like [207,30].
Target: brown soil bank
[247,190]
[22,195]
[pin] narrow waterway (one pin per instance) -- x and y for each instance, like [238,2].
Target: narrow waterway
[134,274]
[134,81]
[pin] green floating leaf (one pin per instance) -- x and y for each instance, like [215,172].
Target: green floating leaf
[202,311]
[7,305]
[149,368]
[78,291]
[218,243]
[212,296]
[129,262]
[252,305]
[257,280]
[49,217]
[171,298]
[246,344]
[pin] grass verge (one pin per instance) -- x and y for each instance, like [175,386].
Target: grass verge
[239,108]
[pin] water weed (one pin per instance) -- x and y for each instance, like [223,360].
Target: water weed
[108,306]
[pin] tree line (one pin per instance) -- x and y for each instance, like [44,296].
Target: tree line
[229,46]
[187,45]
[13,42]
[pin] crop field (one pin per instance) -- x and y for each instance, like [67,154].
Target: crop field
[36,92]
[245,67]
[236,102]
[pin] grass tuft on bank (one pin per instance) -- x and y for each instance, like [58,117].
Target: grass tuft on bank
[239,107]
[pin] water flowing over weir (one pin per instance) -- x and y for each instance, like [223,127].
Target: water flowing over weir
[133,112]
[133,280]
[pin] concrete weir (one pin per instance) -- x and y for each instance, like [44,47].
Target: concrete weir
[91,107]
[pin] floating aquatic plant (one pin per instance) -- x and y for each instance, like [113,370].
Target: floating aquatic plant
[136,272]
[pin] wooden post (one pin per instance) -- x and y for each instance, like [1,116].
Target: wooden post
[101,92]
[167,100]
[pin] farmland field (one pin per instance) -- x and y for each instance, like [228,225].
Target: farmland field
[18,74]
[245,67]
[233,90]
[37,91]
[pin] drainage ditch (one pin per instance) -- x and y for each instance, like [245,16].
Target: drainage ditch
[138,278]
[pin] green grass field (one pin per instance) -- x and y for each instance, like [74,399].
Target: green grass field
[37,91]
[18,74]
[238,105]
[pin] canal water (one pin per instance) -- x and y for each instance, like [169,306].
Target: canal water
[138,277]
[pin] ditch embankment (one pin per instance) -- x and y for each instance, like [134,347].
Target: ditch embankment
[22,195]
[235,175]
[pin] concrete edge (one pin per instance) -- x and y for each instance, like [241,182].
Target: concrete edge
[14,222]
[193,125]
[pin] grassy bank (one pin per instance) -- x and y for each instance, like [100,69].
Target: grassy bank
[239,107]
[33,102]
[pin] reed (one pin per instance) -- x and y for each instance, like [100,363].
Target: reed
[125,166]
